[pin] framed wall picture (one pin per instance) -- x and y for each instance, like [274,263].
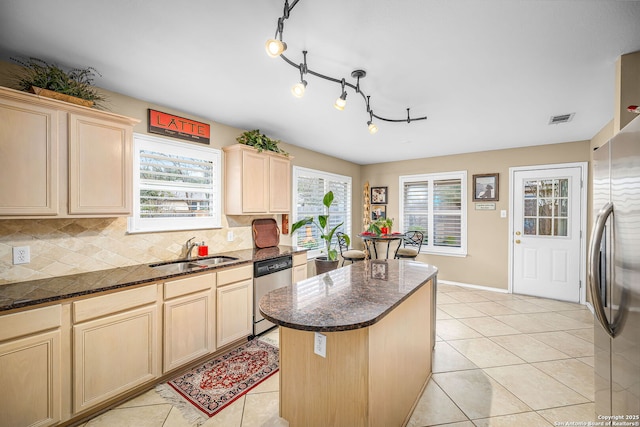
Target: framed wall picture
[379,270]
[379,195]
[485,187]
[378,212]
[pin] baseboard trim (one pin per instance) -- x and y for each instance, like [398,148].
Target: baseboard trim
[478,287]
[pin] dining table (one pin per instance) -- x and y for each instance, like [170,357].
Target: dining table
[371,239]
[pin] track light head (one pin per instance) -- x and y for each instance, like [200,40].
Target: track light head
[341,102]
[372,126]
[298,89]
[275,47]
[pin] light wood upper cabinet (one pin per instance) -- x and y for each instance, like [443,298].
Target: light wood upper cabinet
[100,166]
[256,182]
[62,160]
[28,158]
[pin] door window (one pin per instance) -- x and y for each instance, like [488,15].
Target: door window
[546,207]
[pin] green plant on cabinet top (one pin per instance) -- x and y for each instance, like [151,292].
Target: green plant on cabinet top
[77,82]
[260,141]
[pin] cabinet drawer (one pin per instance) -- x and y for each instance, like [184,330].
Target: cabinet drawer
[189,285]
[235,275]
[29,322]
[300,259]
[100,306]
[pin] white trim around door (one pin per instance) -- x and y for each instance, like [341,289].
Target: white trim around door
[583,168]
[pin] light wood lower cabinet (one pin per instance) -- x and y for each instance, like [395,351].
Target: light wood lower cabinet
[234,304]
[189,319]
[30,368]
[299,271]
[115,345]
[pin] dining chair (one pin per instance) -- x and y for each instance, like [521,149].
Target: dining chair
[411,245]
[352,255]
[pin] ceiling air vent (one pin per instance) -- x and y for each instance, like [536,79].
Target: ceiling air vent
[562,118]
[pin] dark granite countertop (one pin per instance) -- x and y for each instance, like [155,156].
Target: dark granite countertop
[41,291]
[352,297]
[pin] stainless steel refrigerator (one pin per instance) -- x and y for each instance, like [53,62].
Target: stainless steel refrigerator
[614,275]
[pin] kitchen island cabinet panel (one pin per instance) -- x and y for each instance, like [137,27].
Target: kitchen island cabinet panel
[370,376]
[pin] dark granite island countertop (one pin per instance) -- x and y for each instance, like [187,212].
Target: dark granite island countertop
[352,297]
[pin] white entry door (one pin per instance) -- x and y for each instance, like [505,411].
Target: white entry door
[546,233]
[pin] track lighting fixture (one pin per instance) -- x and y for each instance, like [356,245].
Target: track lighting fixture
[372,126]
[341,102]
[298,89]
[276,46]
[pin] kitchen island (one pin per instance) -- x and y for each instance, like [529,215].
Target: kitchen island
[377,320]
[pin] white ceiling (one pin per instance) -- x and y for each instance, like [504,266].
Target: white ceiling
[487,73]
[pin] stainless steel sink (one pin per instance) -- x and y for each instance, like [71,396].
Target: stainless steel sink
[193,264]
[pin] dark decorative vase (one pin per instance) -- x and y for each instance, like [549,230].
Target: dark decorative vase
[323,265]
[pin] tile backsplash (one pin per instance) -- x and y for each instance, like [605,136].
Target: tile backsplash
[67,246]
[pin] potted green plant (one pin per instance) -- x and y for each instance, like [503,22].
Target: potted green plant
[330,262]
[260,141]
[50,80]
[381,226]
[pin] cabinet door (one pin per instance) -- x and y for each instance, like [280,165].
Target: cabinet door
[28,159]
[100,167]
[112,354]
[235,312]
[299,273]
[30,380]
[255,182]
[188,329]
[279,185]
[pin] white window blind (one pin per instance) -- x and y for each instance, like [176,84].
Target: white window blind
[176,186]
[435,205]
[309,188]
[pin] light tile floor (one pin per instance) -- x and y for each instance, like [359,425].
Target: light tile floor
[500,360]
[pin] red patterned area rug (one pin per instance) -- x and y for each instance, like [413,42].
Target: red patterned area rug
[204,391]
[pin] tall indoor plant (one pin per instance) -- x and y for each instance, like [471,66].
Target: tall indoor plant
[330,262]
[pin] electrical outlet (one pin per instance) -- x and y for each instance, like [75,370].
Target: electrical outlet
[230,236]
[21,255]
[320,344]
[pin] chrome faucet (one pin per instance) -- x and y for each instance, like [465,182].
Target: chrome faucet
[188,248]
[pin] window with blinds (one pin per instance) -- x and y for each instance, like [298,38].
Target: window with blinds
[309,188]
[435,205]
[176,186]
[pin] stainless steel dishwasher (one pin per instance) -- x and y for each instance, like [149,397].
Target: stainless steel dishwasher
[268,274]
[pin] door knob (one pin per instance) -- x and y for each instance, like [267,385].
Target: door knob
[518,241]
[517,233]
